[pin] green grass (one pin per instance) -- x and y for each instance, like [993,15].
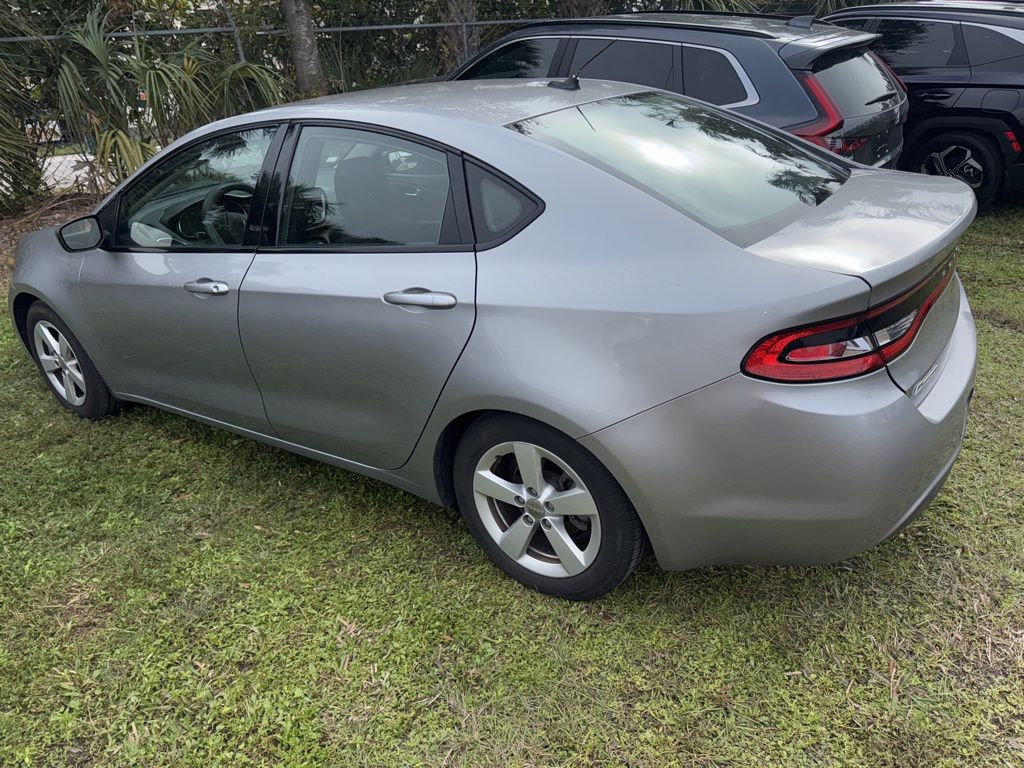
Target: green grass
[173,595]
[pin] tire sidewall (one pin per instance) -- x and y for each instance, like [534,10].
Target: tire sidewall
[982,148]
[98,400]
[621,534]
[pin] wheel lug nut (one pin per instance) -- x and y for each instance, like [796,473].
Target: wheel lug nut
[528,519]
[531,491]
[520,500]
[546,523]
[549,506]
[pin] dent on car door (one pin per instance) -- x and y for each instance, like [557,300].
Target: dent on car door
[354,318]
[162,297]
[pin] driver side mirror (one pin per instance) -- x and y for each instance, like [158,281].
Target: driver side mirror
[80,234]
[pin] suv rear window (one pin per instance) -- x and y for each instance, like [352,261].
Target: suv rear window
[857,82]
[731,175]
[628,61]
[985,45]
[709,76]
[525,58]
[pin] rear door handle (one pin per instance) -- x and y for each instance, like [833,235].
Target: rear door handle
[207,286]
[421,297]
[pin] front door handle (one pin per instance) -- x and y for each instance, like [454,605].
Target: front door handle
[207,286]
[421,297]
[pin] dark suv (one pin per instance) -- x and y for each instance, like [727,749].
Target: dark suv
[808,77]
[963,65]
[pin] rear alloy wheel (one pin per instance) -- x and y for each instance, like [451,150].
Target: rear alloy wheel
[66,368]
[965,156]
[544,509]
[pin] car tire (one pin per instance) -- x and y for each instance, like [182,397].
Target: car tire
[65,367]
[969,157]
[572,534]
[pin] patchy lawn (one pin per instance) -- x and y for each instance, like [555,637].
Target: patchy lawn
[173,595]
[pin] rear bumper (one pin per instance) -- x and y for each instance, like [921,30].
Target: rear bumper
[748,471]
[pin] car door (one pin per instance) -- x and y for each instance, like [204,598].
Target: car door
[162,297]
[930,57]
[354,315]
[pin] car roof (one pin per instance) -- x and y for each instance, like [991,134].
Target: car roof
[936,7]
[490,102]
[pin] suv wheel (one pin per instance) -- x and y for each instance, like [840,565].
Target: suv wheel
[969,157]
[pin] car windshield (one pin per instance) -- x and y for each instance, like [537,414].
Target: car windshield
[734,177]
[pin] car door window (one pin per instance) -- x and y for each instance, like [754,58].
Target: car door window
[627,61]
[525,58]
[853,23]
[908,43]
[198,197]
[710,76]
[350,187]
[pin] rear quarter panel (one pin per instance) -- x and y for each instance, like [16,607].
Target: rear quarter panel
[611,302]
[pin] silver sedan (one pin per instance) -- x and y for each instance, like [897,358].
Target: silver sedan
[598,318]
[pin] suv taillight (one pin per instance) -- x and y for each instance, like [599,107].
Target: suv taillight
[848,346]
[830,119]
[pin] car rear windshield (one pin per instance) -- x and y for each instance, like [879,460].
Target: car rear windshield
[857,82]
[731,175]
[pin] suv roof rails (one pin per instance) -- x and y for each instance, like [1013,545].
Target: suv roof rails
[611,21]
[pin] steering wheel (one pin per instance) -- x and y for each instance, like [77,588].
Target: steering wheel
[215,219]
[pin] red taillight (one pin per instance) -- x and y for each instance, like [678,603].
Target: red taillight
[1012,138]
[830,118]
[848,346]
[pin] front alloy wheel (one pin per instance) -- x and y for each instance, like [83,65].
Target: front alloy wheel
[544,509]
[59,363]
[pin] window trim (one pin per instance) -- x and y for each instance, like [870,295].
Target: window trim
[270,240]
[110,214]
[523,223]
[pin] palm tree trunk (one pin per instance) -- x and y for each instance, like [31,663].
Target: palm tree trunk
[458,43]
[309,74]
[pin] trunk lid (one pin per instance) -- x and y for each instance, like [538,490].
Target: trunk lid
[894,231]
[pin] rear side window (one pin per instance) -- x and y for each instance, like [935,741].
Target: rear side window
[857,83]
[500,209]
[985,46]
[914,43]
[710,76]
[627,61]
[852,23]
[526,58]
[731,175]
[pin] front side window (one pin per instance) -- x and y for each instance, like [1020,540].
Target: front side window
[907,44]
[198,197]
[526,58]
[731,175]
[710,76]
[627,61]
[353,188]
